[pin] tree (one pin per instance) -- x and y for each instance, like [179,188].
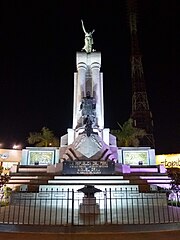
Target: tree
[4,178]
[128,135]
[174,174]
[45,138]
[5,191]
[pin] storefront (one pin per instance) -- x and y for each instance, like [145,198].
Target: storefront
[168,160]
[9,157]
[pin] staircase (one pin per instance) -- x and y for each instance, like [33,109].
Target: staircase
[28,178]
[37,178]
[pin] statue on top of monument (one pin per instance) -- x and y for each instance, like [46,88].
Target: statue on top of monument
[88,40]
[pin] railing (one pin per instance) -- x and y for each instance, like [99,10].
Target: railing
[72,208]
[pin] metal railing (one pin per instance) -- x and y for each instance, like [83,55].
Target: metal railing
[73,208]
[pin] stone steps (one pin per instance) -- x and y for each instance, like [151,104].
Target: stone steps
[37,177]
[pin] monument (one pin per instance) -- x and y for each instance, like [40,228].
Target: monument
[88,147]
[90,156]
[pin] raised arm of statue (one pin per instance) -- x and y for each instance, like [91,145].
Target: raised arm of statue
[83,27]
[92,31]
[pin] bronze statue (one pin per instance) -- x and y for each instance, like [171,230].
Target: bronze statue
[88,40]
[88,108]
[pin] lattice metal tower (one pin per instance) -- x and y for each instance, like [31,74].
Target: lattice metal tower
[141,114]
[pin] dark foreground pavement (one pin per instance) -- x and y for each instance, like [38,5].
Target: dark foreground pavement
[106,232]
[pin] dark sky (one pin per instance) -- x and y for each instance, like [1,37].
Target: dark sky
[38,45]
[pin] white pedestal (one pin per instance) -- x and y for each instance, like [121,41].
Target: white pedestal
[89,206]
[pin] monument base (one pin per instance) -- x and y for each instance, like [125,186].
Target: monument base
[89,206]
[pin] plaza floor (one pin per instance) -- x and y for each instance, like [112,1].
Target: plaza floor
[106,232]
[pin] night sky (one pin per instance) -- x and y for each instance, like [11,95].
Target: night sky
[38,45]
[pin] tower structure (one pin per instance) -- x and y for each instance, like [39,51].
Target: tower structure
[141,114]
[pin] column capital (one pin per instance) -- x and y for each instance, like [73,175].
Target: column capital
[88,58]
[95,65]
[81,65]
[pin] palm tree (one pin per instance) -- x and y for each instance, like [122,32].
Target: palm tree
[128,135]
[45,138]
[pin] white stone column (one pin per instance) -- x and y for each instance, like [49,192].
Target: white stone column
[75,102]
[94,81]
[82,68]
[98,89]
[70,136]
[79,89]
[105,135]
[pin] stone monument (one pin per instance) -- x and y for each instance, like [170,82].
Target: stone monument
[88,139]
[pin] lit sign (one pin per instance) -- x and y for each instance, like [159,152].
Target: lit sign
[168,160]
[4,155]
[10,155]
[41,157]
[135,157]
